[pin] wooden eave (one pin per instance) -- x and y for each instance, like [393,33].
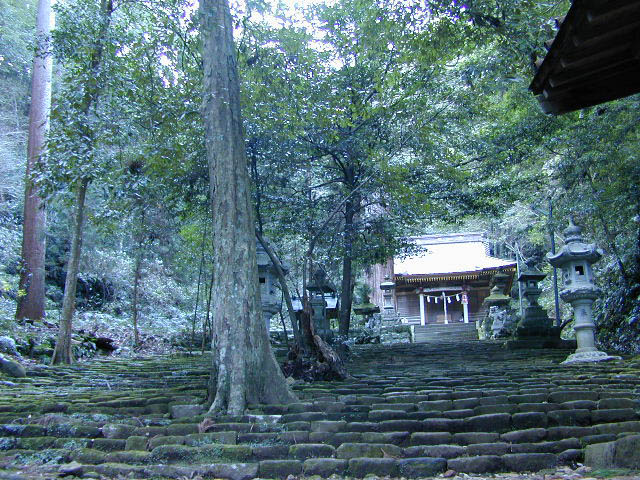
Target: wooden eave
[594,57]
[454,276]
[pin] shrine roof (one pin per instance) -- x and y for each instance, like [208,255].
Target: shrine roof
[449,253]
[593,58]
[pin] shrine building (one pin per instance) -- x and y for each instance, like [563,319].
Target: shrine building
[445,281]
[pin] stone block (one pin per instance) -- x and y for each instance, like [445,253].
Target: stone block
[463,413]
[466,403]
[182,429]
[117,430]
[136,442]
[230,471]
[395,438]
[600,438]
[382,467]
[361,427]
[328,426]
[109,444]
[279,468]
[380,415]
[441,451]
[529,420]
[569,417]
[438,405]
[529,462]
[494,400]
[469,438]
[579,405]
[311,450]
[401,426]
[200,439]
[270,452]
[185,411]
[497,448]
[324,467]
[430,438]
[294,436]
[525,436]
[131,457]
[297,426]
[168,440]
[571,456]
[528,398]
[450,425]
[571,395]
[493,422]
[346,437]
[618,427]
[497,408]
[627,452]
[558,433]
[613,415]
[421,467]
[600,455]
[88,456]
[537,407]
[479,464]
[371,450]
[615,403]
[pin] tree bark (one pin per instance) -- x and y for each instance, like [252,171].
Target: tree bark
[31,301]
[62,352]
[244,369]
[346,291]
[134,300]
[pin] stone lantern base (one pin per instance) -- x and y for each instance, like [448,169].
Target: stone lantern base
[590,357]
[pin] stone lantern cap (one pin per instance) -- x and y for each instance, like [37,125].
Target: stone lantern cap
[575,248]
[531,273]
[320,284]
[387,284]
[264,262]
[366,307]
[497,297]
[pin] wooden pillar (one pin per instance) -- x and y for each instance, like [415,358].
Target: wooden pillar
[444,302]
[423,319]
[465,311]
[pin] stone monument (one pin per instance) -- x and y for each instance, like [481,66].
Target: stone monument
[499,321]
[575,259]
[367,310]
[388,306]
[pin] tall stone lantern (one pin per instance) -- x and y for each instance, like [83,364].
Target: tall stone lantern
[267,277]
[318,287]
[388,307]
[575,260]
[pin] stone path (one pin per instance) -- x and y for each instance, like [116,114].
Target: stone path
[409,411]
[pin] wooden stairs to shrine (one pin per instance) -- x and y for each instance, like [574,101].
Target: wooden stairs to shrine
[438,333]
[411,410]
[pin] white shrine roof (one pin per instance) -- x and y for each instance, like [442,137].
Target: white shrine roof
[449,253]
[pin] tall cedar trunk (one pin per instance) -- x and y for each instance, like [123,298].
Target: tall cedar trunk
[134,300]
[32,274]
[62,352]
[244,369]
[346,293]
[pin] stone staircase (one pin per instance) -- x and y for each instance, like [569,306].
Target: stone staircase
[436,333]
[408,411]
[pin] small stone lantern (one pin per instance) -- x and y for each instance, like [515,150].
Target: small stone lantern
[267,277]
[318,287]
[535,322]
[575,259]
[499,321]
[388,307]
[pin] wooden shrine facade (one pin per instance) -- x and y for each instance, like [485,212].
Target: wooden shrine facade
[444,283]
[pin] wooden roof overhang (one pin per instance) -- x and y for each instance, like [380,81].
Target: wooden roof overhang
[483,274]
[594,57]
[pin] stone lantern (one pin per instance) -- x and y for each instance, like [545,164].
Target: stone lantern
[318,287]
[388,306]
[267,277]
[499,320]
[575,259]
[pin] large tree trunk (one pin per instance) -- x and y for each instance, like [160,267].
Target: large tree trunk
[31,301]
[62,352]
[244,369]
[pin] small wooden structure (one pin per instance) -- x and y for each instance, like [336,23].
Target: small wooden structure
[594,57]
[445,282]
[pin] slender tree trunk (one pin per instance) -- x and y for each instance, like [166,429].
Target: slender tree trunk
[62,352]
[31,301]
[346,292]
[244,369]
[206,323]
